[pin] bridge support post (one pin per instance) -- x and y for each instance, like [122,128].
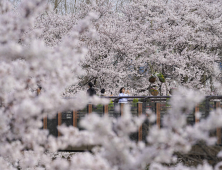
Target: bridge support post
[59,121]
[158,116]
[45,122]
[139,112]
[195,114]
[218,132]
[74,117]
[105,109]
[89,108]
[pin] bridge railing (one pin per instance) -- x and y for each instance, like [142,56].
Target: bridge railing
[158,104]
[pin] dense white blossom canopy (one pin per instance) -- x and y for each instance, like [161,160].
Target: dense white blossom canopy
[60,53]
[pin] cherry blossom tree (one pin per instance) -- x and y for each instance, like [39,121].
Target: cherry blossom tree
[26,65]
[140,40]
[174,38]
[187,39]
[29,62]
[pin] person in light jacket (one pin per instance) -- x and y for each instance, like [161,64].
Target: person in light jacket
[122,93]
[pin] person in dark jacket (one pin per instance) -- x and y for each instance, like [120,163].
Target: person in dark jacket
[103,92]
[91,91]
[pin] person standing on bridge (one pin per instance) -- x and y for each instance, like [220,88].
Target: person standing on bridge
[91,91]
[103,92]
[122,93]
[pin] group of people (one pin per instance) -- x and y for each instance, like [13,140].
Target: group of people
[122,92]
[91,91]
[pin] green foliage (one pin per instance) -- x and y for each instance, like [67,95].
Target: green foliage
[135,100]
[167,102]
[98,108]
[111,105]
[161,77]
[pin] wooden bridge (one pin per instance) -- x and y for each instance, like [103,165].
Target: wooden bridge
[158,104]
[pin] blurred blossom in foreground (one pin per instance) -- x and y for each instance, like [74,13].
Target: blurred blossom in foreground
[34,55]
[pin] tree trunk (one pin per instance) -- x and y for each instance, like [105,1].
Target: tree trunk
[65,7]
[56,5]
